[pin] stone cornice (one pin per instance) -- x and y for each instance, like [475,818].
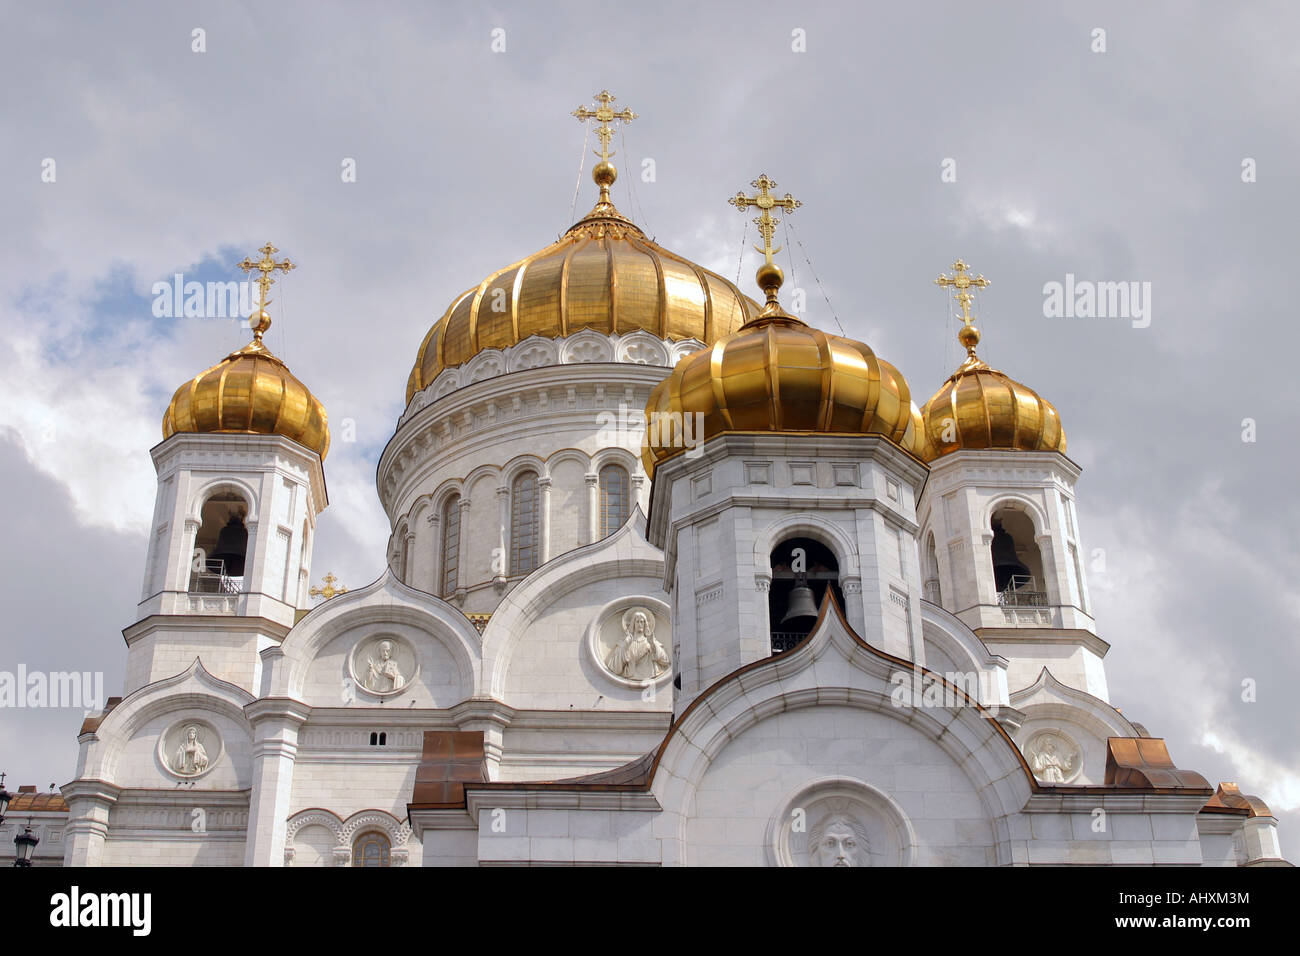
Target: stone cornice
[262,626]
[1060,636]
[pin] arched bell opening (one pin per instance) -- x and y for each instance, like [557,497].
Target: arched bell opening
[220,546]
[802,570]
[1017,561]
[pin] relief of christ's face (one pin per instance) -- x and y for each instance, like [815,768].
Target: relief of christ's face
[838,845]
[639,624]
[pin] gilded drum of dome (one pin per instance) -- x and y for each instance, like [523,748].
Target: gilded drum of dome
[603,274]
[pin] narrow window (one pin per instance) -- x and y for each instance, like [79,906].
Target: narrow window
[523,523]
[450,544]
[614,499]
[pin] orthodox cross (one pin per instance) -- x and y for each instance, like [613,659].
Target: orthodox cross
[604,114]
[266,266]
[766,202]
[963,283]
[329,590]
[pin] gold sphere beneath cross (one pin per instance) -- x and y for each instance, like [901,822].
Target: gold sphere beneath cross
[604,173]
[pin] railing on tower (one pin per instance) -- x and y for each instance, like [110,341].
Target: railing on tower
[1022,592]
[214,580]
[783,641]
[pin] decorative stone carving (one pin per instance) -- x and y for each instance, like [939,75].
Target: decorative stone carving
[839,821]
[638,656]
[629,641]
[190,749]
[839,839]
[383,665]
[1053,757]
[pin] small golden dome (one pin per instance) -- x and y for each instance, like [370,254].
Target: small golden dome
[250,391]
[980,407]
[779,374]
[602,274]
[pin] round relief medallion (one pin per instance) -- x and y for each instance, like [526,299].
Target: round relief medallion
[1053,756]
[839,822]
[190,749]
[383,665]
[630,640]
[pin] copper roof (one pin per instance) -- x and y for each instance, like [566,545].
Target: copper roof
[1229,799]
[450,759]
[1144,763]
[27,800]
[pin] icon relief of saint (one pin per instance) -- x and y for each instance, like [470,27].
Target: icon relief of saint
[638,656]
[385,675]
[191,756]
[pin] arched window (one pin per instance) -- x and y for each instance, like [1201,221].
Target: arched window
[524,523]
[220,545]
[371,849]
[615,501]
[450,544]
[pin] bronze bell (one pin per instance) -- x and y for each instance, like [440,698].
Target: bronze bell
[232,544]
[1005,561]
[801,604]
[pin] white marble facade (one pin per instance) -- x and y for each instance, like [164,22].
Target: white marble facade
[245,736]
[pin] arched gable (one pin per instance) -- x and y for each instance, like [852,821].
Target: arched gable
[386,605]
[124,744]
[836,681]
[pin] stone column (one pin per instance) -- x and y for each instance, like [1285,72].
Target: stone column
[853,607]
[275,722]
[462,573]
[503,518]
[544,520]
[89,803]
[593,506]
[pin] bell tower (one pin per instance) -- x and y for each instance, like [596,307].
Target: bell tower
[240,483]
[785,465]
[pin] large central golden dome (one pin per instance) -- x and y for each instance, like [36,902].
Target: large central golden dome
[602,274]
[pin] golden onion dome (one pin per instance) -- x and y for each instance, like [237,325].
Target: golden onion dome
[980,407]
[778,374]
[250,391]
[602,274]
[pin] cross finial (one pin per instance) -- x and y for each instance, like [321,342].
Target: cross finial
[260,320]
[604,172]
[769,274]
[969,335]
[329,590]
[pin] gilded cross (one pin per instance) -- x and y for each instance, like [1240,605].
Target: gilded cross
[266,265]
[329,590]
[604,114]
[963,283]
[765,202]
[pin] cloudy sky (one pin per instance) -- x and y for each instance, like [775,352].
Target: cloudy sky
[1123,165]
